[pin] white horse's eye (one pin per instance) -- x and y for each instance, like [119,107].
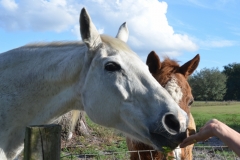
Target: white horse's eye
[112,67]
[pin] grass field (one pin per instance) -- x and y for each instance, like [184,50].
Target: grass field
[227,112]
[105,140]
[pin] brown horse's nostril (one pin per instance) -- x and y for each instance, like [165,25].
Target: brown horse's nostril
[171,123]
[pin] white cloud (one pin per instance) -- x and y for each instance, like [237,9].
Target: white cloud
[221,43]
[216,43]
[146,19]
[213,5]
[76,31]
[147,22]
[9,5]
[38,15]
[101,30]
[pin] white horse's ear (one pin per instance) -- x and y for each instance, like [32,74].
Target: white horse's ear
[123,32]
[89,33]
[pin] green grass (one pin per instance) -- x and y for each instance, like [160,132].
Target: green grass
[227,112]
[214,103]
[101,140]
[112,141]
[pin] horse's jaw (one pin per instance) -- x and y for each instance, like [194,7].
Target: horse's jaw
[150,130]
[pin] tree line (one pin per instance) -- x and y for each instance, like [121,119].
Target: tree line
[212,84]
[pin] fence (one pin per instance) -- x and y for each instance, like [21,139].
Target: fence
[199,153]
[43,142]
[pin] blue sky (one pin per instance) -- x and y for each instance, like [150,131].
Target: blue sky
[177,29]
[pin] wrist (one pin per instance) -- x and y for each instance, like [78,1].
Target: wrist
[217,128]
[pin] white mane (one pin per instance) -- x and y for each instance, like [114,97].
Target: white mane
[53,44]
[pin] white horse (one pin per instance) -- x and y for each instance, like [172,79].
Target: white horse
[102,76]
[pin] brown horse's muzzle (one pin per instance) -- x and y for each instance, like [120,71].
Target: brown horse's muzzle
[190,131]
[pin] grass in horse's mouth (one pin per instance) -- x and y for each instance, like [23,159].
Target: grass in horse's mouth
[172,145]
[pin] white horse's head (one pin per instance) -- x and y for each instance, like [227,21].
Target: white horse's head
[118,91]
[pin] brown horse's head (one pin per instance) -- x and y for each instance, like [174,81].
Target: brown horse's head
[173,78]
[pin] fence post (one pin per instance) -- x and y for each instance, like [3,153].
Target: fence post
[42,142]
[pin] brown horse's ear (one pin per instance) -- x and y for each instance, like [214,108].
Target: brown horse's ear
[188,68]
[153,62]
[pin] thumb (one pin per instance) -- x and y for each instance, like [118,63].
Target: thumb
[188,141]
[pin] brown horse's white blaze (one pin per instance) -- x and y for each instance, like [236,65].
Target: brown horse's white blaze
[174,79]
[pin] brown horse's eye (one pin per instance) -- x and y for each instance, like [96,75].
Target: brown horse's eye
[112,67]
[190,103]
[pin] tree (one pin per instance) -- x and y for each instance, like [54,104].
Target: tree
[232,71]
[208,84]
[73,122]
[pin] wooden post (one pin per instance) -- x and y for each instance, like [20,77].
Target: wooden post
[42,142]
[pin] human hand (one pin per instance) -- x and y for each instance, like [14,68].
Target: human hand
[204,133]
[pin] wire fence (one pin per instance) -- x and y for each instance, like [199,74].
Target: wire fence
[199,153]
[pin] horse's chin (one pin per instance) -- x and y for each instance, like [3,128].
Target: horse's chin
[161,143]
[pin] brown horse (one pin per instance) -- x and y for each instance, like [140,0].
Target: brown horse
[174,79]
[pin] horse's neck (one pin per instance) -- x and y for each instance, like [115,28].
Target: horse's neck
[43,79]
[54,62]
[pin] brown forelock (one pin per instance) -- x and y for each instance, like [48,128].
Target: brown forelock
[168,67]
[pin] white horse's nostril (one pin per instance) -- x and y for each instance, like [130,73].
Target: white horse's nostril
[171,123]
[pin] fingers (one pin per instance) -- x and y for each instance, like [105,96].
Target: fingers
[204,133]
[189,140]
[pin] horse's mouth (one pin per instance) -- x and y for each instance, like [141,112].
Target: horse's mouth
[162,142]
